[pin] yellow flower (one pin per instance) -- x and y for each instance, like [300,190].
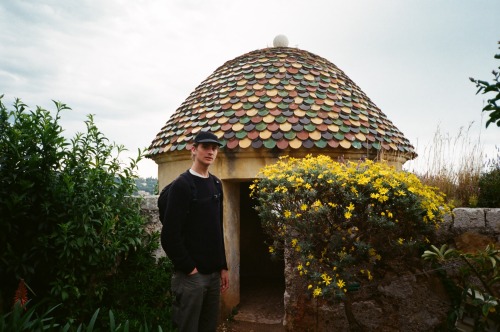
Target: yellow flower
[287,214]
[317,204]
[400,240]
[340,283]
[271,250]
[294,242]
[383,198]
[317,292]
[310,286]
[303,207]
[326,278]
[383,191]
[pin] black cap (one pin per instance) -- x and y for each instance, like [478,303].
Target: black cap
[206,137]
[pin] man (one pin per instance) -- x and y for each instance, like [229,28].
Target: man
[192,238]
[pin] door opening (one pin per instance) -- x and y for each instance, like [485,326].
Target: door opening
[262,281]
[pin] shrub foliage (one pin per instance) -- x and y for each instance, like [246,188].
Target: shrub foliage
[489,184]
[66,216]
[475,277]
[493,87]
[342,219]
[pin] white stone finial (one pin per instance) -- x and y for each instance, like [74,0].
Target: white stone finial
[280,41]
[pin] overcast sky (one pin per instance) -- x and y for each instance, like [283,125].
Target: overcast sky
[132,63]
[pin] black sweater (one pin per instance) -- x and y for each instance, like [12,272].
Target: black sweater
[192,234]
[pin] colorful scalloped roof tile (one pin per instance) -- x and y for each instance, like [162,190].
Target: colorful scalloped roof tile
[281,98]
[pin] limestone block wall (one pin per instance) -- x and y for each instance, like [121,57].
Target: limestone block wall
[149,209]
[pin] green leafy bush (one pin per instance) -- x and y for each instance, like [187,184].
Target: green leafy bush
[494,87]
[476,278]
[66,216]
[140,290]
[489,185]
[342,220]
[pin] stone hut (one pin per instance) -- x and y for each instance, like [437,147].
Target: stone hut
[265,104]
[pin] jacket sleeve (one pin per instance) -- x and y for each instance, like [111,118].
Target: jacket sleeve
[172,233]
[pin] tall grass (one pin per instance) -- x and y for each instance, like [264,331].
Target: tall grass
[453,163]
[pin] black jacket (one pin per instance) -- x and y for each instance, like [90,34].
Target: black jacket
[192,233]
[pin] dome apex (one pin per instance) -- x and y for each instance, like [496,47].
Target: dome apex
[280,41]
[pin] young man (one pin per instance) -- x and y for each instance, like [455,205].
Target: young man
[192,238]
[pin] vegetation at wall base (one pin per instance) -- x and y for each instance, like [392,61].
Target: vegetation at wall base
[475,277]
[69,224]
[20,319]
[141,288]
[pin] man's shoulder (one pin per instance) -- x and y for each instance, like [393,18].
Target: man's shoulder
[183,181]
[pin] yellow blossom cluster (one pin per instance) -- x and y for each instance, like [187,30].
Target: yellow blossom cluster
[343,217]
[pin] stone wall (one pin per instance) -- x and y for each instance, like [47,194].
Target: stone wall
[407,296]
[149,209]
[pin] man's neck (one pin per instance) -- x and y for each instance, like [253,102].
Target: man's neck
[199,169]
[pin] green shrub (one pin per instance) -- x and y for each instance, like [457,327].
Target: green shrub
[489,185]
[475,276]
[66,216]
[492,104]
[140,290]
[20,319]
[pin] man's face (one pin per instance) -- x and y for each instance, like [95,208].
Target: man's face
[205,153]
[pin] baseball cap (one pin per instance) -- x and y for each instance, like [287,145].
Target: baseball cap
[206,137]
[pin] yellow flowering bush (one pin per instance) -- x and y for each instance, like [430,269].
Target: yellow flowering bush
[341,219]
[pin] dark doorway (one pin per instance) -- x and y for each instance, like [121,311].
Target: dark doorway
[262,281]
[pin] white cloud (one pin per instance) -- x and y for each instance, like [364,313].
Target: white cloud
[132,63]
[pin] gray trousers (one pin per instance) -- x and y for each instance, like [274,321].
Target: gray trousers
[196,301]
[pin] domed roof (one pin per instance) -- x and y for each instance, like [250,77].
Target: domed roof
[281,98]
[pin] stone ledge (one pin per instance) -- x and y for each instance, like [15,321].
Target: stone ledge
[467,218]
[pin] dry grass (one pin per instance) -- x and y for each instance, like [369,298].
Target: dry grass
[453,164]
